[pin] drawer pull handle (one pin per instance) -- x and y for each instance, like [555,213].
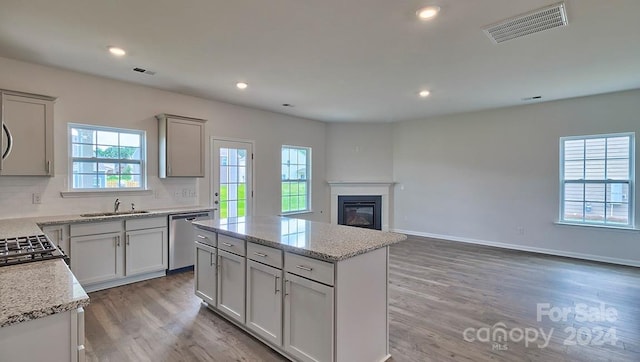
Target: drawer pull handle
[260,254]
[227,244]
[202,237]
[276,286]
[304,268]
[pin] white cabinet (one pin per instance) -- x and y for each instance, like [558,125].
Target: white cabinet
[27,134]
[59,235]
[181,144]
[58,337]
[106,254]
[304,308]
[97,258]
[146,251]
[96,252]
[308,319]
[147,245]
[264,301]
[231,288]
[205,273]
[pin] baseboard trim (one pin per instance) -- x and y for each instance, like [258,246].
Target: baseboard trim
[555,252]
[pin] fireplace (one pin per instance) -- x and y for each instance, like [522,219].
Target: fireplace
[363,211]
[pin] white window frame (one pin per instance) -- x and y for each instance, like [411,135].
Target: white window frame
[630,182]
[307,180]
[107,190]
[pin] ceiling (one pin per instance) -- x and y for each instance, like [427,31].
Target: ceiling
[334,60]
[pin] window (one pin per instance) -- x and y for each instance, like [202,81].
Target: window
[296,179]
[596,179]
[106,158]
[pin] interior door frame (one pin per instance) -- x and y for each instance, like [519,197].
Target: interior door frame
[215,168]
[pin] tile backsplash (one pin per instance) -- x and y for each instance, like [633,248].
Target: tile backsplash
[19,197]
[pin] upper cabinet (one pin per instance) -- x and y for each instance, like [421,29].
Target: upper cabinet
[27,134]
[181,146]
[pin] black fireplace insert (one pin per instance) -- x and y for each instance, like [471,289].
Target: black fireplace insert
[360,210]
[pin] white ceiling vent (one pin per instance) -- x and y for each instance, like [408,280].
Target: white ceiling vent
[553,16]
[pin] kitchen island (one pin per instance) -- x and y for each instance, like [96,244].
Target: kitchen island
[312,291]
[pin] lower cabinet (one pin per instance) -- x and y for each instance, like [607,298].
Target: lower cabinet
[107,254]
[97,258]
[205,273]
[264,301]
[308,319]
[58,337]
[59,235]
[231,279]
[146,251]
[306,309]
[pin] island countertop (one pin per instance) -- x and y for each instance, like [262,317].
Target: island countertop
[317,240]
[35,290]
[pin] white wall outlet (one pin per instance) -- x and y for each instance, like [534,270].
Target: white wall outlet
[36,198]
[520,230]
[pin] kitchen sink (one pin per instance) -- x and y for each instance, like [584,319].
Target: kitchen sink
[98,214]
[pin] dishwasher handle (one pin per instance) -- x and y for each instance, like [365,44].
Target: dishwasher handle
[189,217]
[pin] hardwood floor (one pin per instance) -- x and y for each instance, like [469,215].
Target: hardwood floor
[438,289]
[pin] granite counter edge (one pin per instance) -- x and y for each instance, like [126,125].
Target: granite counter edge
[44,312]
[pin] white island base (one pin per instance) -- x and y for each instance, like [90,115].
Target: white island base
[343,318]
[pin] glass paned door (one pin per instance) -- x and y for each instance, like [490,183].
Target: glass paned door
[232,189]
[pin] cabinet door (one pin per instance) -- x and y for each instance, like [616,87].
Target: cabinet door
[308,319]
[231,279]
[205,273]
[59,235]
[185,148]
[30,122]
[146,251]
[264,301]
[96,258]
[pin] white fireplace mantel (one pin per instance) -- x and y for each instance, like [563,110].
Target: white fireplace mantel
[356,188]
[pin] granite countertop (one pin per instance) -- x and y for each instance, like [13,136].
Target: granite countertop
[35,290]
[317,240]
[31,225]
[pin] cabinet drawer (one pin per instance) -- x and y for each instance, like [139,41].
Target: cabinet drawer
[309,268]
[265,255]
[146,223]
[231,244]
[95,228]
[205,237]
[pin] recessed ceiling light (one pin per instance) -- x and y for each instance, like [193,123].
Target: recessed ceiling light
[117,51]
[424,93]
[428,13]
[242,85]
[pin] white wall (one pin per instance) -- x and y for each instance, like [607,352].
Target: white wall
[93,100]
[359,152]
[480,176]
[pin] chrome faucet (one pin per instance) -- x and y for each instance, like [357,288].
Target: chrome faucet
[116,205]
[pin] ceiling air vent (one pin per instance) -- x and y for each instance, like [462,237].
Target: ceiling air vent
[553,16]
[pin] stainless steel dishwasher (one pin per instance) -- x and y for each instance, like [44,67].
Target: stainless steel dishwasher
[181,238]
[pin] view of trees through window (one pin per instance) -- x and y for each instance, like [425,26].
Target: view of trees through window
[296,165]
[105,158]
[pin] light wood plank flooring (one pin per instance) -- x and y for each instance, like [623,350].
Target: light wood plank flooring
[437,290]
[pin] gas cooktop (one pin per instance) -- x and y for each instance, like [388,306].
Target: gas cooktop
[25,249]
